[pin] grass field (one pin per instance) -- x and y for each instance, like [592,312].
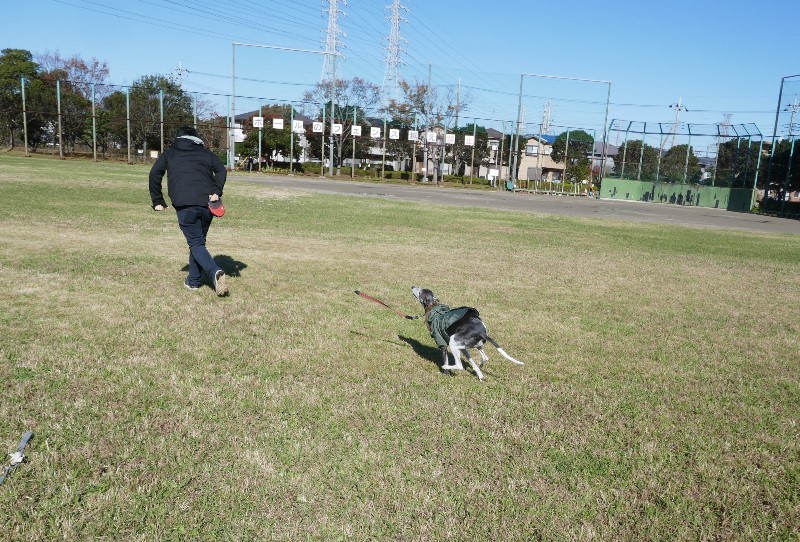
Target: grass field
[660,399]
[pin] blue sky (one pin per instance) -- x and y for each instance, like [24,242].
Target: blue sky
[718,57]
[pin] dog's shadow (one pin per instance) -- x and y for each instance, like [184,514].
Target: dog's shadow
[232,268]
[434,355]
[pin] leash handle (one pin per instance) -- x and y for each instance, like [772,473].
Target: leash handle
[17,457]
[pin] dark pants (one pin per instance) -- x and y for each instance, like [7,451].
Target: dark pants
[194,221]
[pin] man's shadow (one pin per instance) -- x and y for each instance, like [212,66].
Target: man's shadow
[434,355]
[232,268]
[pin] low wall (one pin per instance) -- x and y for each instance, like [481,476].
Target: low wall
[717,197]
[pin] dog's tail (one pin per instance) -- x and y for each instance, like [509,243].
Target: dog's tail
[503,352]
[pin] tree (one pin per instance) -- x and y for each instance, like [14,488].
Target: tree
[14,64]
[112,125]
[435,109]
[784,176]
[81,74]
[80,83]
[673,165]
[632,153]
[75,108]
[273,141]
[145,96]
[576,156]
[736,164]
[463,153]
[354,96]
[404,118]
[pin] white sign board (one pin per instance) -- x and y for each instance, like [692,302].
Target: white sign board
[258,122]
[337,129]
[494,172]
[394,133]
[469,140]
[450,139]
[413,135]
[277,124]
[318,127]
[355,131]
[430,137]
[374,133]
[297,126]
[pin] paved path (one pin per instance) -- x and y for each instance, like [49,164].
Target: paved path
[657,213]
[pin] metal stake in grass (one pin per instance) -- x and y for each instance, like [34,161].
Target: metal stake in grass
[365,296]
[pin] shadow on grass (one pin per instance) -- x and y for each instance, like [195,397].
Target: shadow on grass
[232,268]
[434,355]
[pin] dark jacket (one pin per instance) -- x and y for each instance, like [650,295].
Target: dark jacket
[193,174]
[441,317]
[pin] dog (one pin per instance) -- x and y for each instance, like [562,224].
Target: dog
[459,329]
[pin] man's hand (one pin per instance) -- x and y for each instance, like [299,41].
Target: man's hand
[213,197]
[159,208]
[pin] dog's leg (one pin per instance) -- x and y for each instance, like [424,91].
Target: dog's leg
[474,365]
[455,350]
[443,368]
[484,357]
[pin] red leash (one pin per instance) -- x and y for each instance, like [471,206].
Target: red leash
[365,296]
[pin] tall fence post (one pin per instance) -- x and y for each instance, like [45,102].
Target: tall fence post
[322,140]
[688,150]
[260,132]
[128,119]
[353,165]
[291,139]
[641,153]
[60,133]
[566,163]
[758,164]
[24,115]
[625,151]
[502,152]
[472,163]
[383,155]
[94,126]
[788,172]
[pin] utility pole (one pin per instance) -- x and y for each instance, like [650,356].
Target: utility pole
[391,75]
[678,107]
[329,66]
[793,109]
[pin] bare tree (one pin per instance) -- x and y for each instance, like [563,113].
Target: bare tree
[354,96]
[438,111]
[80,73]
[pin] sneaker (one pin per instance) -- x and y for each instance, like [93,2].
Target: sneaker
[219,283]
[191,287]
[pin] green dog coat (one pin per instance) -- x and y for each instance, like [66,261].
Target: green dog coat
[439,318]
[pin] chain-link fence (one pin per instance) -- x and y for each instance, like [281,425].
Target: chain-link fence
[135,123]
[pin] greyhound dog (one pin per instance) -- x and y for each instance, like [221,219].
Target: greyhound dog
[460,329]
